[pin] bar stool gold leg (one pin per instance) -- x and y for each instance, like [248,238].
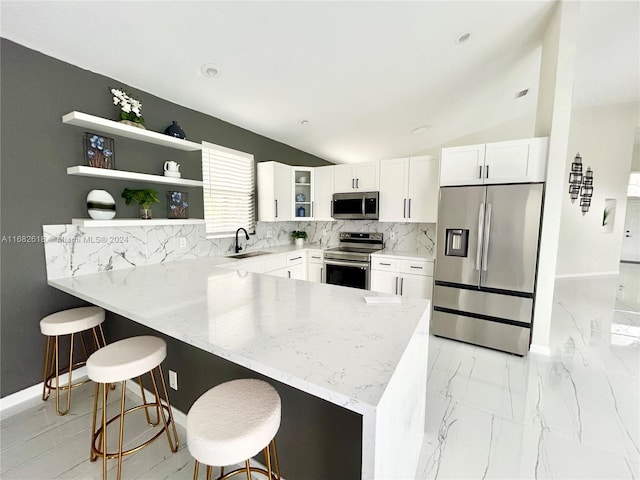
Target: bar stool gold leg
[248,468]
[47,367]
[96,392]
[267,456]
[195,470]
[165,421]
[208,475]
[104,432]
[146,409]
[121,431]
[275,457]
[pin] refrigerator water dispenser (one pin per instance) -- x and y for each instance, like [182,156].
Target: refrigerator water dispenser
[457,242]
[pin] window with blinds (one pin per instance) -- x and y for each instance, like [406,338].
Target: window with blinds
[228,189]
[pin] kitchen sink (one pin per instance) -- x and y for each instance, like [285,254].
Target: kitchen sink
[247,254]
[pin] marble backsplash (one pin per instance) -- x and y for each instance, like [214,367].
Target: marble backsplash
[71,250]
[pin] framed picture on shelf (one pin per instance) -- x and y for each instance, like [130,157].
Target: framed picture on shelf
[177,204]
[98,151]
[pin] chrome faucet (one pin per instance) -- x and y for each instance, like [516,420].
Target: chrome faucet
[238,247]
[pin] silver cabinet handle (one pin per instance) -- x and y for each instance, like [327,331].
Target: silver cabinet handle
[357,183]
[396,285]
[322,275]
[353,183]
[409,213]
[315,256]
[289,273]
[480,172]
[404,209]
[276,208]
[480,225]
[385,264]
[401,285]
[487,232]
[294,258]
[486,172]
[414,266]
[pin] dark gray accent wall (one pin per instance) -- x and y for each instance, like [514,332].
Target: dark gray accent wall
[35,150]
[317,439]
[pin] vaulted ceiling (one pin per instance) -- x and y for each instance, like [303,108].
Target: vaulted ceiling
[363,75]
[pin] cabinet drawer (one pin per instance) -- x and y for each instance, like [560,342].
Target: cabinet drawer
[385,264]
[274,262]
[295,258]
[315,256]
[416,267]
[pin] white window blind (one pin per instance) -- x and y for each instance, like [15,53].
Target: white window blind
[228,190]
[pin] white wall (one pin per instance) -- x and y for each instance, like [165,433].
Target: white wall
[604,136]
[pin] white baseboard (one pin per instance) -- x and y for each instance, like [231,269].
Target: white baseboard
[589,274]
[16,402]
[540,350]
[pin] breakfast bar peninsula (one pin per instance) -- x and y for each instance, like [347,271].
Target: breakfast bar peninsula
[325,341]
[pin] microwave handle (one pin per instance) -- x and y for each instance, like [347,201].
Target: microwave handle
[364,204]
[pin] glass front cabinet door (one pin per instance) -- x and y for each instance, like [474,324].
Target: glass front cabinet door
[302,193]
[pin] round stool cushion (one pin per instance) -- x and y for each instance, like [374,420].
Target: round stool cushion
[125,359]
[71,321]
[233,421]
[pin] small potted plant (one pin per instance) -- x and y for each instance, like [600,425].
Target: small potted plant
[299,236]
[144,198]
[130,108]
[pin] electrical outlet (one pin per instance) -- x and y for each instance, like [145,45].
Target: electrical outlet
[182,242]
[269,234]
[392,235]
[173,379]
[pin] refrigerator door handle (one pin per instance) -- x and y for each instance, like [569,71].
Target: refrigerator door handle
[487,232]
[480,225]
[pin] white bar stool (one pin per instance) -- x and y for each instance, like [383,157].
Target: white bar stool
[231,423]
[119,362]
[68,322]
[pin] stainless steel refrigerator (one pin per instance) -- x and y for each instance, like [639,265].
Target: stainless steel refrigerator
[487,257]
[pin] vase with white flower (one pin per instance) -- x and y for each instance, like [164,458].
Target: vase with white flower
[130,108]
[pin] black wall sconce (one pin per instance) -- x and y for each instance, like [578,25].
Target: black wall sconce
[580,185]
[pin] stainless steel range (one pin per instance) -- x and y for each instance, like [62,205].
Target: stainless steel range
[348,264]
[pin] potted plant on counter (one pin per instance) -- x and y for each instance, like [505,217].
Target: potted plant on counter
[299,236]
[144,198]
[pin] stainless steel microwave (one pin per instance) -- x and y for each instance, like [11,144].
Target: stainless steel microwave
[356,206]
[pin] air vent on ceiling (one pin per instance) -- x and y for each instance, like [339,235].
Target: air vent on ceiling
[522,93]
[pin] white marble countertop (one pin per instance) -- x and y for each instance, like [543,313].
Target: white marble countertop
[321,339]
[405,254]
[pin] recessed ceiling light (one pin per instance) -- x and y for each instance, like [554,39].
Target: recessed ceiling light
[209,70]
[463,37]
[304,122]
[419,130]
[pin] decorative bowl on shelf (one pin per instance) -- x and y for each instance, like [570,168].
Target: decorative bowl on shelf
[301,197]
[101,205]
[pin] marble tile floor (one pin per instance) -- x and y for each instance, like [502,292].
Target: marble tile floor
[572,415]
[490,415]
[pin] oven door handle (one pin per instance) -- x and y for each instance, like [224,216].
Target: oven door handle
[346,264]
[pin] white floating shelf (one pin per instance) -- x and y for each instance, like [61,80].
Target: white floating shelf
[80,119]
[135,222]
[84,171]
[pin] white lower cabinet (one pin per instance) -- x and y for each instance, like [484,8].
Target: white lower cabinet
[315,266]
[295,263]
[408,277]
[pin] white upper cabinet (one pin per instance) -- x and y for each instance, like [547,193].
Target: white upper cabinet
[409,190]
[462,165]
[323,193]
[515,161]
[274,192]
[357,177]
